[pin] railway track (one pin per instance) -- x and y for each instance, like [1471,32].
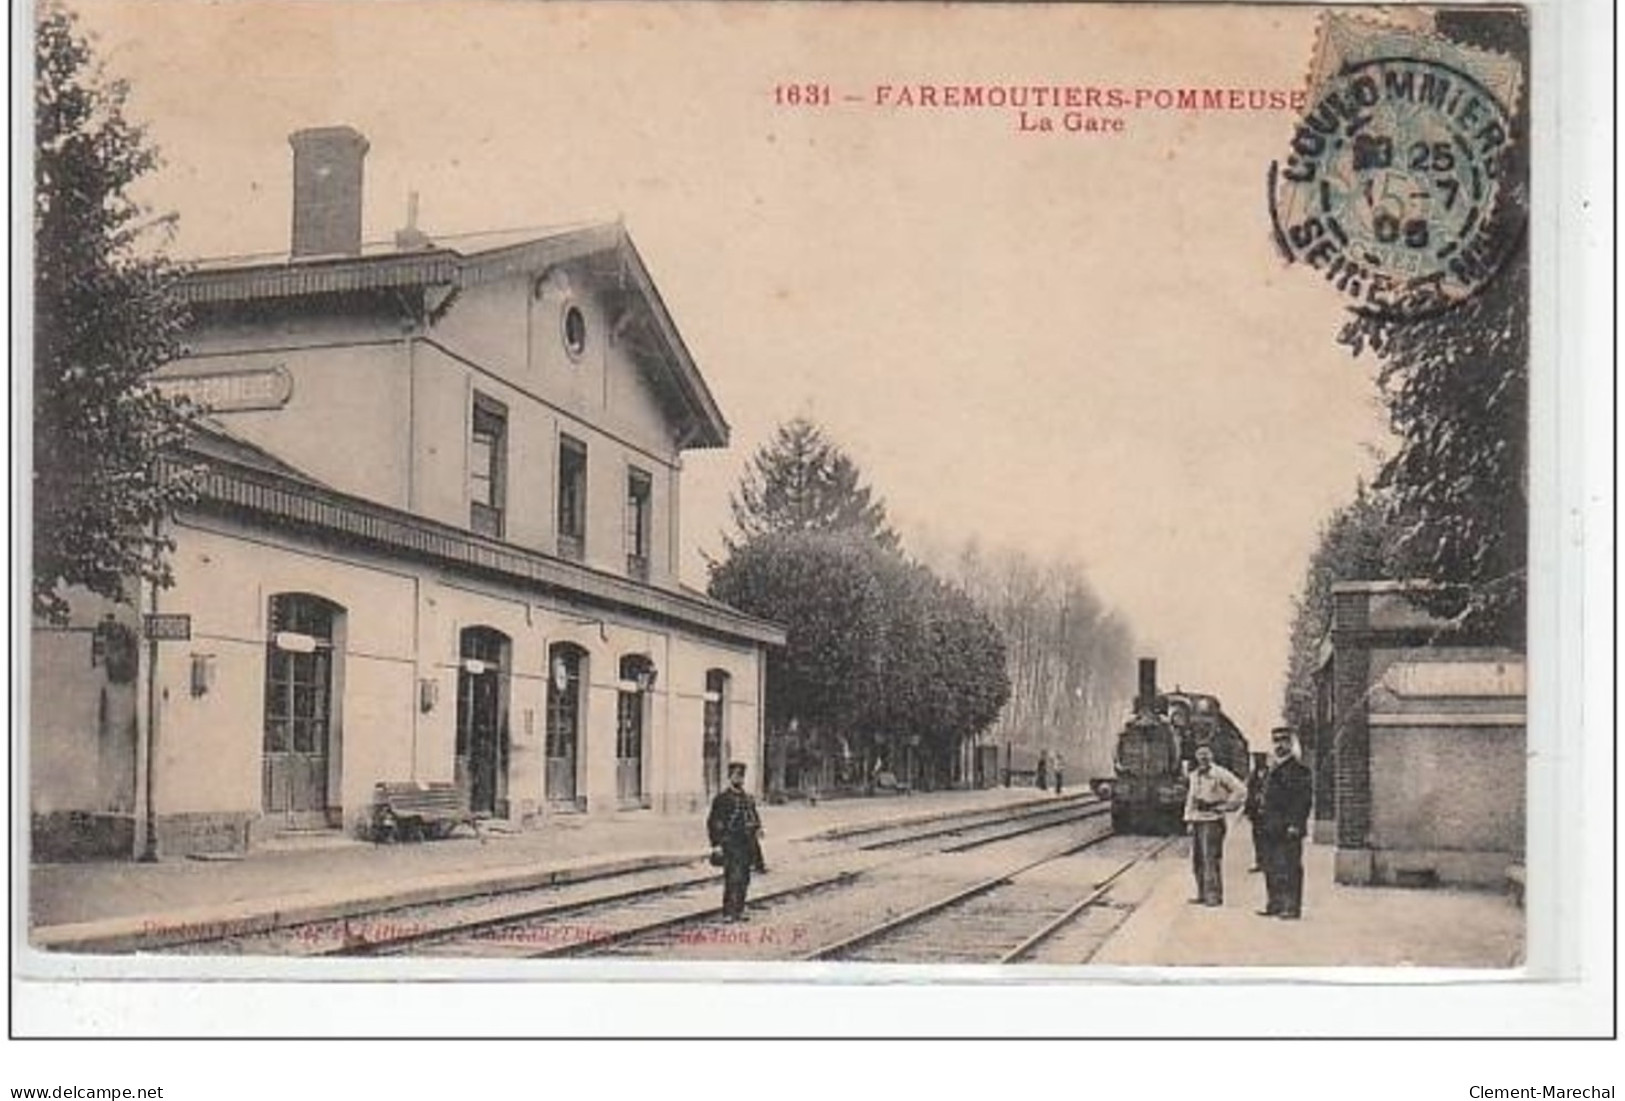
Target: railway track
[387,931]
[979,832]
[1006,918]
[792,924]
[961,819]
[591,917]
[682,921]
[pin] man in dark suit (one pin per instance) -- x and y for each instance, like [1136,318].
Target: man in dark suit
[1283,816]
[734,827]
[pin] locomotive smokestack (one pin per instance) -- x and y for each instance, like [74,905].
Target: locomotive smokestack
[1148,685]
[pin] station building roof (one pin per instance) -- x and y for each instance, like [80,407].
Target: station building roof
[453,264]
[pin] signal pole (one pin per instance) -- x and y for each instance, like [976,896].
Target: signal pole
[149,848]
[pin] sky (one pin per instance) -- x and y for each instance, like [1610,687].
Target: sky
[1079,344]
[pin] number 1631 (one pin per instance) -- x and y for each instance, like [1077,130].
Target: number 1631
[801,95]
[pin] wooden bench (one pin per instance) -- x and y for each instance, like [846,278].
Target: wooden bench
[886,780]
[419,809]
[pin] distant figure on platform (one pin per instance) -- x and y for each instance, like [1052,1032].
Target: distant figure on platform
[1214,792]
[735,830]
[1042,783]
[1282,819]
[1255,796]
[1058,764]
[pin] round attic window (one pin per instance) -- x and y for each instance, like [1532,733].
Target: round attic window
[575,331]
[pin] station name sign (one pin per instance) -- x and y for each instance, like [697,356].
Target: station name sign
[232,391]
[1462,679]
[167,627]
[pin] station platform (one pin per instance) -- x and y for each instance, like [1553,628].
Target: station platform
[126,905]
[1341,925]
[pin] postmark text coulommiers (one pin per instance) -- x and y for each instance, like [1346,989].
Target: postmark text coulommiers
[1394,185]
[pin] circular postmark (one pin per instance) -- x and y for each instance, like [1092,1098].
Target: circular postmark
[1395,187]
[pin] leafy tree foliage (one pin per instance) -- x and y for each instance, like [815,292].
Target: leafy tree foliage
[970,669]
[804,482]
[1354,546]
[826,589]
[880,652]
[106,314]
[943,666]
[1457,388]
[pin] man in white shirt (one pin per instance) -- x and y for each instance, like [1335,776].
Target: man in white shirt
[1213,792]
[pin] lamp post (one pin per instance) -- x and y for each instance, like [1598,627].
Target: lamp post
[149,845]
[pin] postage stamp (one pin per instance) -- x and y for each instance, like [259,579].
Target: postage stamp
[1396,187]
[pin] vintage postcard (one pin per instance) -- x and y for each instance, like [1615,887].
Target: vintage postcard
[842,493]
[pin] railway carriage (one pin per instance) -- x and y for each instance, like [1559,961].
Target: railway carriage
[1156,750]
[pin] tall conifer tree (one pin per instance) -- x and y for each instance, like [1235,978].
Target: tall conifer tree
[802,482]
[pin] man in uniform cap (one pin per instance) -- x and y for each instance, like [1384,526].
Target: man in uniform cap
[734,827]
[1283,815]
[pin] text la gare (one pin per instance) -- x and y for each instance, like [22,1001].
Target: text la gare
[1067,122]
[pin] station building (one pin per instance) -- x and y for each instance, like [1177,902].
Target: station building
[435,538]
[1418,749]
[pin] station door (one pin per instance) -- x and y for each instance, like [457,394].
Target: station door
[481,755]
[563,724]
[629,747]
[298,719]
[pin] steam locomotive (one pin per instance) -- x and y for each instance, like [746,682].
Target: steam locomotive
[1156,750]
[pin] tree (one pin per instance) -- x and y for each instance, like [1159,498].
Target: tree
[825,588]
[943,671]
[1354,546]
[880,652]
[1457,388]
[804,482]
[106,315]
[969,668]
[1069,656]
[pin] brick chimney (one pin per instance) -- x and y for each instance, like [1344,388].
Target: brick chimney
[327,165]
